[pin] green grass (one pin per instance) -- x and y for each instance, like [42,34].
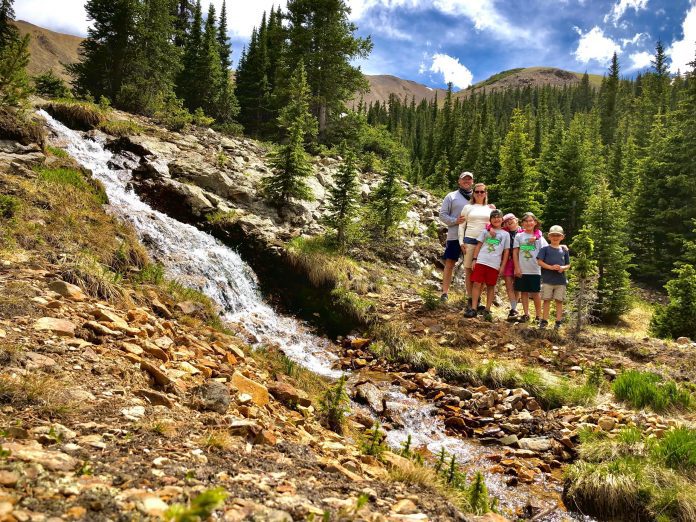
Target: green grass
[635,477]
[645,389]
[57,152]
[8,206]
[121,128]
[73,178]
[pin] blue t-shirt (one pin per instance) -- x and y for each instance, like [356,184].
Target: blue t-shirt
[554,256]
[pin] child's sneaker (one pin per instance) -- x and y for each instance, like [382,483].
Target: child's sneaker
[470,313]
[524,318]
[444,298]
[480,309]
[487,316]
[512,314]
[558,324]
[543,323]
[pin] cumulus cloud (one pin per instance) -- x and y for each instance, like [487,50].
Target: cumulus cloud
[595,45]
[452,70]
[683,51]
[633,41]
[639,60]
[620,8]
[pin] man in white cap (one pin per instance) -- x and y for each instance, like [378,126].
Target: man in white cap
[451,215]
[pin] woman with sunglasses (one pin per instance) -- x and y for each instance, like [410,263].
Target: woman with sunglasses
[476,216]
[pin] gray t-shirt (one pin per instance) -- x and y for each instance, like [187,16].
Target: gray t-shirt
[529,249]
[554,256]
[491,253]
[451,209]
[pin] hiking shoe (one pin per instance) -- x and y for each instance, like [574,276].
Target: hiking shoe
[487,316]
[470,312]
[558,324]
[480,309]
[497,301]
[512,314]
[524,318]
[468,303]
[444,298]
[543,323]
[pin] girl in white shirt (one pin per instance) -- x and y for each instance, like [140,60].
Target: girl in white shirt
[476,215]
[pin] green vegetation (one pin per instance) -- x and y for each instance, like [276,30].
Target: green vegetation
[635,475]
[121,128]
[430,297]
[50,86]
[200,508]
[77,114]
[57,152]
[373,441]
[18,126]
[645,389]
[678,318]
[334,405]
[498,76]
[73,178]
[342,200]
[8,206]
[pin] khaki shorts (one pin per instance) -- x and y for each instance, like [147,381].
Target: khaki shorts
[468,255]
[555,292]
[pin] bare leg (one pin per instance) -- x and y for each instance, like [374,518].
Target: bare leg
[559,310]
[525,302]
[447,275]
[536,296]
[547,309]
[490,296]
[469,283]
[475,294]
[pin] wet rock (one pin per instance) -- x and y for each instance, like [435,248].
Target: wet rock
[258,392]
[372,395]
[67,290]
[212,396]
[57,326]
[289,395]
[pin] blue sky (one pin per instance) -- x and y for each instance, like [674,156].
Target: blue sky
[466,41]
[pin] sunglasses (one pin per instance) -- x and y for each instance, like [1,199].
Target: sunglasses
[479,191]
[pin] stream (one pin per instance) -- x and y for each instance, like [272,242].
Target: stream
[198,260]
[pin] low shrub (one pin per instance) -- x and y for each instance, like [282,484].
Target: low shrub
[334,405]
[50,85]
[76,114]
[200,508]
[8,206]
[678,318]
[645,389]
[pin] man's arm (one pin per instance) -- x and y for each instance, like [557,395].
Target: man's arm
[446,213]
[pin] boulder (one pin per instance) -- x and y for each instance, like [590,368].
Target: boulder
[538,445]
[212,396]
[67,290]
[372,395]
[57,326]
[289,395]
[258,392]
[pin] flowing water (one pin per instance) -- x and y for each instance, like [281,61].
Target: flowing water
[200,261]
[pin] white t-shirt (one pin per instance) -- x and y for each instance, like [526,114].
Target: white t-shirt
[491,253]
[529,247]
[477,217]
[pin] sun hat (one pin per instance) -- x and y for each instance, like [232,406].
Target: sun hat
[556,229]
[466,174]
[509,215]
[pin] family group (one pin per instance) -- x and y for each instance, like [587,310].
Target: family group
[494,245]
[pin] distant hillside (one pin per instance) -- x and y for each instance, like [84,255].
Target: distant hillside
[382,85]
[529,77]
[49,49]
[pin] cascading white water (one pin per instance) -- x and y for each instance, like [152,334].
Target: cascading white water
[198,260]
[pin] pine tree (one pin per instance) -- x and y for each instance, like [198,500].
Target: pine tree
[678,318]
[8,32]
[290,162]
[183,14]
[154,60]
[386,205]
[516,189]
[343,198]
[320,33]
[607,223]
[583,282]
[14,81]
[609,100]
[106,50]
[224,41]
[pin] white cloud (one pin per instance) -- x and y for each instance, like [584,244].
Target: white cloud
[632,41]
[594,45]
[482,13]
[452,70]
[683,51]
[620,8]
[69,15]
[639,60]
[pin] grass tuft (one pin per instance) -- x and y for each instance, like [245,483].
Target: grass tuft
[121,128]
[76,114]
[646,389]
[43,394]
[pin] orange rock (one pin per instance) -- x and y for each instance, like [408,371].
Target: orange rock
[259,393]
